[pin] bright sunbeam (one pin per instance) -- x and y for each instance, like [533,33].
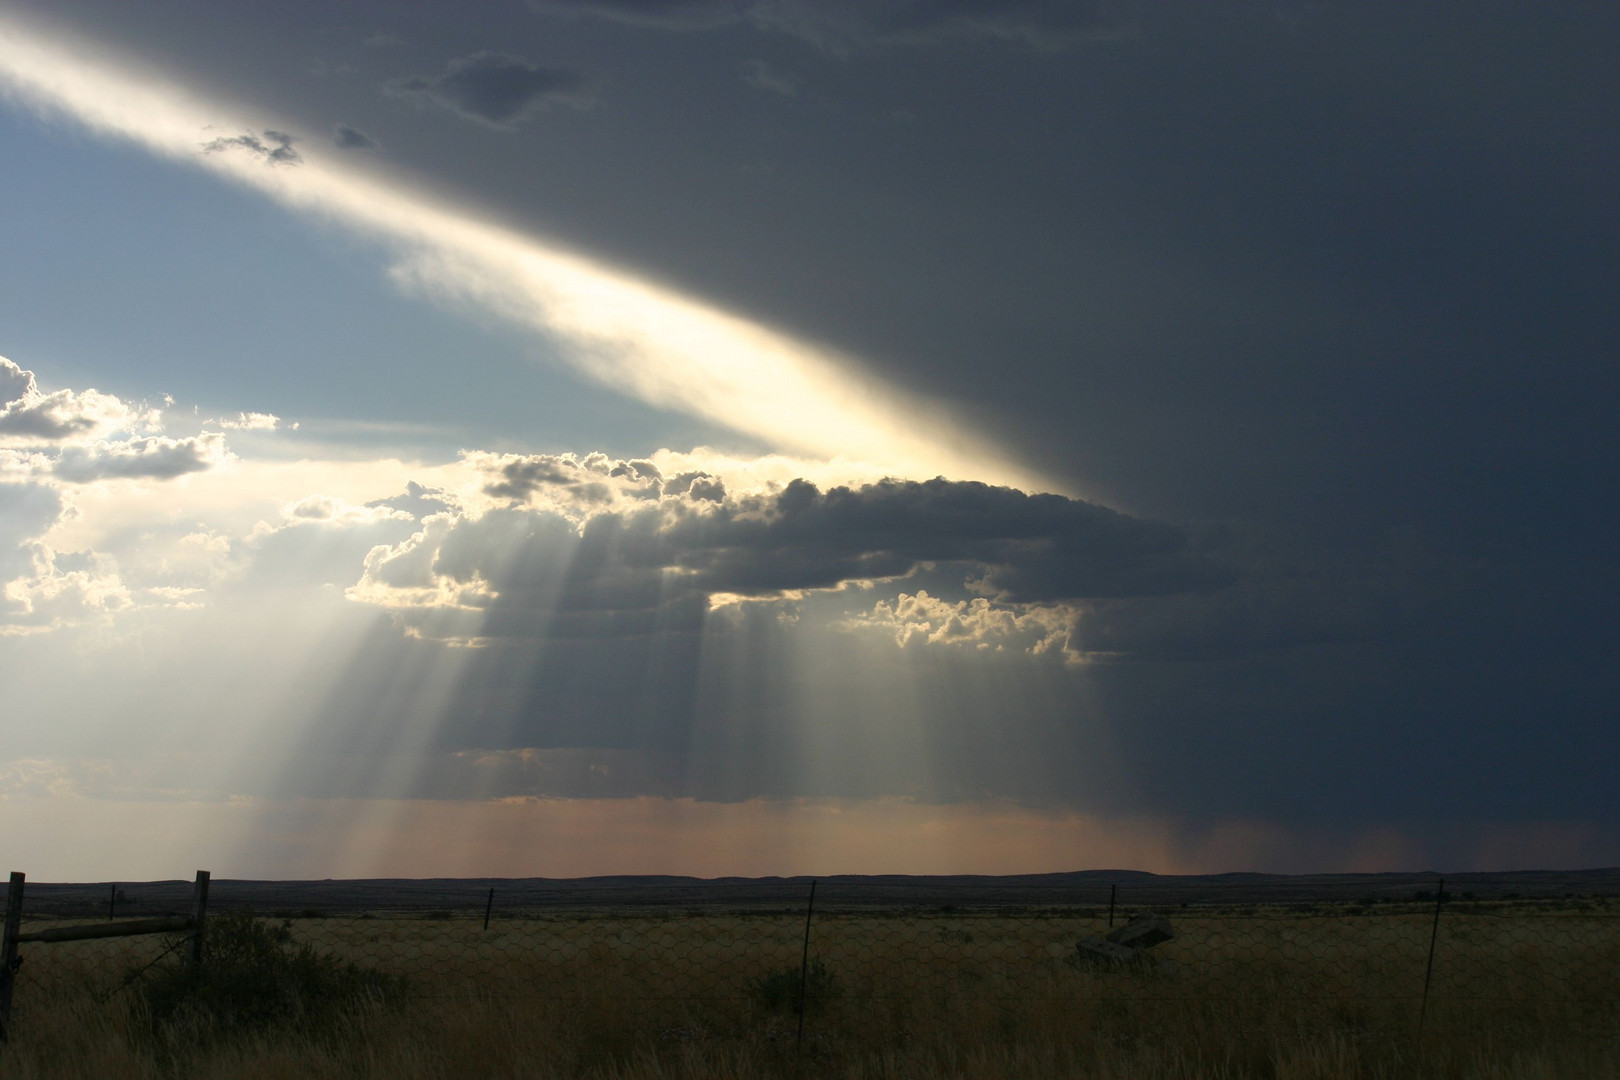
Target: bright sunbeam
[634,336]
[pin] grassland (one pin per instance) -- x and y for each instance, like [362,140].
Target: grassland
[1265,992]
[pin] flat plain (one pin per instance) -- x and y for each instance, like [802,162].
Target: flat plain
[1523,986]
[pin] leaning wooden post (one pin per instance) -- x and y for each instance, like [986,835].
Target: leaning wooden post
[804,965]
[8,951]
[489,906]
[199,913]
[1428,969]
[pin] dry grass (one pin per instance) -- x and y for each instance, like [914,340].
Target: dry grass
[637,997]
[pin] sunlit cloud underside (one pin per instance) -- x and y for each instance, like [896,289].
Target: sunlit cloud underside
[637,337]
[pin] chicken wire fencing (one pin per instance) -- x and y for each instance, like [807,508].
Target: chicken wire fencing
[837,953]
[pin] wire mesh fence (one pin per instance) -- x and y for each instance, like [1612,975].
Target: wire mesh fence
[871,950]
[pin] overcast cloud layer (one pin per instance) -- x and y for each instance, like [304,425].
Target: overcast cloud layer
[675,394]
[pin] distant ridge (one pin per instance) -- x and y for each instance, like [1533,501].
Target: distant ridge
[1078,888]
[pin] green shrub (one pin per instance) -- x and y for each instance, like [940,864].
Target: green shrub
[251,974]
[780,991]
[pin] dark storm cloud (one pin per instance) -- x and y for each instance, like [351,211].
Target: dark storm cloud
[649,555]
[1033,547]
[1346,272]
[1285,593]
[839,26]
[351,138]
[493,88]
[276,148]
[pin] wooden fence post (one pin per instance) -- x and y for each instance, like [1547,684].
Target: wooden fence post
[199,913]
[1428,968]
[804,966]
[8,951]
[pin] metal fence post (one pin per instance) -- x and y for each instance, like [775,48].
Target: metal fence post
[199,914]
[1428,970]
[804,965]
[8,951]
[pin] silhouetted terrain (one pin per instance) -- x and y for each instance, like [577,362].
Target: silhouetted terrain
[898,891]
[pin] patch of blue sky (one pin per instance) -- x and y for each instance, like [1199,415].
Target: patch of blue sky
[130,273]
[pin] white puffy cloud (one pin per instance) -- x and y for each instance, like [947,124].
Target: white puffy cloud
[27,510]
[32,418]
[51,445]
[155,457]
[251,421]
[334,510]
[916,619]
[62,589]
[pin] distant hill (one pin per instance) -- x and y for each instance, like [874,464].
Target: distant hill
[1083,888]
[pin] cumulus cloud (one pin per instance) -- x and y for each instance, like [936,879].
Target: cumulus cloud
[917,618]
[15,383]
[84,435]
[62,589]
[251,421]
[52,442]
[563,479]
[32,418]
[495,89]
[330,509]
[27,510]
[839,26]
[598,545]
[155,457]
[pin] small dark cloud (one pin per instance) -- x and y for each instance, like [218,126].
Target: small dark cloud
[418,501]
[841,25]
[762,76]
[664,14]
[493,88]
[350,138]
[589,479]
[1035,23]
[276,148]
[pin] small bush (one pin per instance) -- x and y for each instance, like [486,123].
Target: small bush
[252,975]
[780,991]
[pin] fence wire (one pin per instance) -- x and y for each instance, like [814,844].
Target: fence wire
[738,949]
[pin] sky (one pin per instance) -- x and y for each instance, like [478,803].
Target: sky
[566,437]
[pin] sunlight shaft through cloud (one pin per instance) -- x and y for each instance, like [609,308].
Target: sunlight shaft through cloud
[637,337]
